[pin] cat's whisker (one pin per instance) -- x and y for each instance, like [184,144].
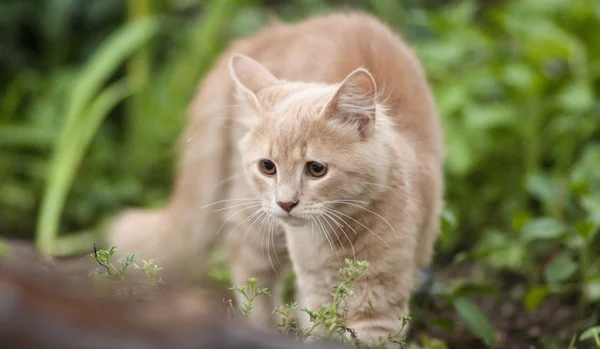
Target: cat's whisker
[333,229]
[275,226]
[233,214]
[324,232]
[262,224]
[369,189]
[262,242]
[234,129]
[381,185]
[227,180]
[263,213]
[233,206]
[263,135]
[229,200]
[222,111]
[328,214]
[235,120]
[374,213]
[247,219]
[192,137]
[335,213]
[259,234]
[346,201]
[336,139]
[267,236]
[359,223]
[316,230]
[272,234]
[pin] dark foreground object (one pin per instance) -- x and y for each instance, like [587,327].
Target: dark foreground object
[39,311]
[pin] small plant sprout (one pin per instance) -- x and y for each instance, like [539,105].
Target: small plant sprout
[151,270]
[394,337]
[104,258]
[330,317]
[107,268]
[250,292]
[288,323]
[327,321]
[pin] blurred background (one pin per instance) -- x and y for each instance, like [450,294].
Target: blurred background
[93,95]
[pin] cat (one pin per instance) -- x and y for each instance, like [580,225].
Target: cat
[308,143]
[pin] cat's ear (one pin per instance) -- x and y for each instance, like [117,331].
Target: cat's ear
[354,102]
[249,77]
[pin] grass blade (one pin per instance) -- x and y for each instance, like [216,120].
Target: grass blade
[475,320]
[65,163]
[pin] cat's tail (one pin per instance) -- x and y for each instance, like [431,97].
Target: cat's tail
[180,235]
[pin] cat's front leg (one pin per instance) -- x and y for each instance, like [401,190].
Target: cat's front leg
[251,257]
[313,291]
[377,305]
[373,309]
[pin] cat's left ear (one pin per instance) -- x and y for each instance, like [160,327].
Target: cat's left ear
[249,77]
[354,102]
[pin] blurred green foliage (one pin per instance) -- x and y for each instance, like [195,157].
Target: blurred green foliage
[517,84]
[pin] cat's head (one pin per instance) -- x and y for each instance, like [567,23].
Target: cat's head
[312,149]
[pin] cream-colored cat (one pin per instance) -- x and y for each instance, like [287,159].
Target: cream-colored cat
[329,148]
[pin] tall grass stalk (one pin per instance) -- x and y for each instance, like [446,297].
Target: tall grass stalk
[83,117]
[138,113]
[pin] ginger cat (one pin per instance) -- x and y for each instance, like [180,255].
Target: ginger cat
[324,145]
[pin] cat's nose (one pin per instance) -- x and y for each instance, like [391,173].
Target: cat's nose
[287,206]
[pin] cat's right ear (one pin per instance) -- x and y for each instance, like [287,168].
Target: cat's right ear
[249,77]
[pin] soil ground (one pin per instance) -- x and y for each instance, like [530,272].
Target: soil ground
[550,326]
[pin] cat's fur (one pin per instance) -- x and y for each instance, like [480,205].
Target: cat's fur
[342,90]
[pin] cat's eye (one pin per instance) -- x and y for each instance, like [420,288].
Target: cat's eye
[316,169]
[267,167]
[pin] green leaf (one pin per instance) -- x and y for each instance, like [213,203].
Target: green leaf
[445,323]
[520,76]
[592,206]
[500,250]
[391,12]
[544,188]
[475,321]
[448,221]
[543,229]
[535,297]
[576,97]
[584,229]
[592,332]
[460,156]
[452,98]
[591,290]
[586,169]
[461,13]
[491,115]
[560,267]
[462,288]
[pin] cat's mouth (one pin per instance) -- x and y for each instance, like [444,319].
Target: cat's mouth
[293,219]
[296,221]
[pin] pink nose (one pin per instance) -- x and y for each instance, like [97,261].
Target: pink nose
[287,206]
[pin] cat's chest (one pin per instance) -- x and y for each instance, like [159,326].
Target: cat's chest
[308,249]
